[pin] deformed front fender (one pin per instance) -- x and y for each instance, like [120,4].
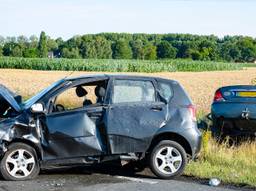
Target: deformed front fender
[18,130]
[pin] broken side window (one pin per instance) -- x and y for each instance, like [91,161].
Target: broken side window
[133,91]
[75,97]
[165,90]
[83,95]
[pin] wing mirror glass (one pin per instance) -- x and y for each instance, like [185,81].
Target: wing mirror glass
[37,108]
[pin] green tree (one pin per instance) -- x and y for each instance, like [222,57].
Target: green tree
[33,41]
[11,39]
[166,50]
[137,49]
[234,53]
[70,53]
[52,45]
[30,53]
[150,52]
[95,47]
[1,51]
[102,47]
[22,40]
[88,49]
[17,51]
[230,52]
[59,41]
[8,48]
[2,41]
[208,50]
[247,48]
[42,45]
[136,46]
[122,50]
[195,54]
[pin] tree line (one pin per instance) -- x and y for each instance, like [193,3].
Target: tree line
[133,46]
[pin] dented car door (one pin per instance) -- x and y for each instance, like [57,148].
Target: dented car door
[73,134]
[133,116]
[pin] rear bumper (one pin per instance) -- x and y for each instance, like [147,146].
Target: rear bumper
[194,137]
[228,120]
[226,127]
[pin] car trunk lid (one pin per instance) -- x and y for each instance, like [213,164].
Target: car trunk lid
[242,93]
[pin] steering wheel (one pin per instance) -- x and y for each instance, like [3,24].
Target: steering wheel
[59,108]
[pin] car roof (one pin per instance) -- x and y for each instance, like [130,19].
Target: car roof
[116,76]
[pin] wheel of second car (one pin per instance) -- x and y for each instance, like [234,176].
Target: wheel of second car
[19,162]
[168,159]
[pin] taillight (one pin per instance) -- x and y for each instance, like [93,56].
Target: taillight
[218,96]
[192,110]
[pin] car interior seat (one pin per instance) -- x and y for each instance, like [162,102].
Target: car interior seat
[100,93]
[81,92]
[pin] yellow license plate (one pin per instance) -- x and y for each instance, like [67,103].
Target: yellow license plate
[246,94]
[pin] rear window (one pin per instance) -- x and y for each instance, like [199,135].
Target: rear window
[165,90]
[133,91]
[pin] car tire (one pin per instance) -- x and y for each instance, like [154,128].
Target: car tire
[167,159]
[20,162]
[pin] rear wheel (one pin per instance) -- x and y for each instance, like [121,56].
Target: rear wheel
[19,162]
[168,159]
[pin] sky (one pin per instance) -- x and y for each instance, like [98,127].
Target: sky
[66,18]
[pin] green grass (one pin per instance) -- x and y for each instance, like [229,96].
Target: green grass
[110,65]
[235,165]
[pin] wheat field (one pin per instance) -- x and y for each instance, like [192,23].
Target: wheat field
[200,85]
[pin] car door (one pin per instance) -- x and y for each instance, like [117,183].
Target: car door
[73,133]
[134,115]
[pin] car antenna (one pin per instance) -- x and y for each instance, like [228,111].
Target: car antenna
[69,74]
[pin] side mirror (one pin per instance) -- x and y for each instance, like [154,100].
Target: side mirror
[37,108]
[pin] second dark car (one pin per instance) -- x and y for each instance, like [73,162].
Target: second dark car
[233,112]
[93,119]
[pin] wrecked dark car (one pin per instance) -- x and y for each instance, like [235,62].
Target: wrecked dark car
[98,118]
[233,112]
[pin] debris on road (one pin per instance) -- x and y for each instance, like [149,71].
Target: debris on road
[214,182]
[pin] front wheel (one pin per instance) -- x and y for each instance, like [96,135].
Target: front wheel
[19,163]
[168,159]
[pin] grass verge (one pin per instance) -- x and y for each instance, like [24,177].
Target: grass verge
[234,165]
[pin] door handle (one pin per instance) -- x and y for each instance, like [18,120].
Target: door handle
[156,108]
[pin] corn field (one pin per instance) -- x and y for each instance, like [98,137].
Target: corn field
[110,65]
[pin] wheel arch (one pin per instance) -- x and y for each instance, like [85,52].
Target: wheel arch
[28,142]
[173,137]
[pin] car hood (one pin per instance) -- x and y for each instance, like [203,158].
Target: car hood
[9,98]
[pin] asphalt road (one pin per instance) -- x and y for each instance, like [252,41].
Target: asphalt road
[101,179]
